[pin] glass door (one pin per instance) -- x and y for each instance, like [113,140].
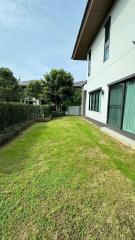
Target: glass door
[129,108]
[115,108]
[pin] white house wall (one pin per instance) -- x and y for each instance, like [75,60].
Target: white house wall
[121,62]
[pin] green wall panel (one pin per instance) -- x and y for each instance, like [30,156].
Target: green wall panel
[129,111]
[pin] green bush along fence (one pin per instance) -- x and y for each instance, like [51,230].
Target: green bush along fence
[12,113]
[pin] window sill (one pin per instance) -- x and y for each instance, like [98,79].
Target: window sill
[94,111]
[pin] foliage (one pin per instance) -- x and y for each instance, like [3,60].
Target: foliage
[58,87]
[12,113]
[56,114]
[48,110]
[12,131]
[66,180]
[9,86]
[76,98]
[35,89]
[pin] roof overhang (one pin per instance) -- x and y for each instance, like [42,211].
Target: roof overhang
[95,13]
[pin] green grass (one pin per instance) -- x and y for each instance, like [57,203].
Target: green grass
[65,180]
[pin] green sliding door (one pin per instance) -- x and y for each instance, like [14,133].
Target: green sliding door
[115,105]
[129,109]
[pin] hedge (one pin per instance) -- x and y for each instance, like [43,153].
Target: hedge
[12,131]
[12,113]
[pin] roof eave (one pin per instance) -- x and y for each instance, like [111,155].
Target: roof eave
[80,30]
[95,12]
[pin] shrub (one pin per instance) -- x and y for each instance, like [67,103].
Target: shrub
[57,114]
[48,110]
[10,132]
[12,113]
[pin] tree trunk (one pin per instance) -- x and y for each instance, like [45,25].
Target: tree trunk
[57,108]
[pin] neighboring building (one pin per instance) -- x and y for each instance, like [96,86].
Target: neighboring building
[76,107]
[80,87]
[30,101]
[24,84]
[106,41]
[79,84]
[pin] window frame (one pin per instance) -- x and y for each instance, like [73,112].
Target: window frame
[94,100]
[107,39]
[89,62]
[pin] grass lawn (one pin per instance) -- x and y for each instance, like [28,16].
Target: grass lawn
[66,180]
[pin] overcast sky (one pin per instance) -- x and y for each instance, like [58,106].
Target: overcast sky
[37,35]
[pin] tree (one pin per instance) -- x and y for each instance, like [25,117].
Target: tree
[9,86]
[35,89]
[76,98]
[58,87]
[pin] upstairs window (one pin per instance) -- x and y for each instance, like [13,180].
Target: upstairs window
[95,100]
[89,63]
[107,39]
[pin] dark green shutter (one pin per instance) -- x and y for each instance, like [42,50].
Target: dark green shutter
[115,105]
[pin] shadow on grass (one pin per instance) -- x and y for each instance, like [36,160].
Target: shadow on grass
[15,155]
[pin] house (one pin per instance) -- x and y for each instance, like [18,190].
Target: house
[79,84]
[79,87]
[24,84]
[75,106]
[106,40]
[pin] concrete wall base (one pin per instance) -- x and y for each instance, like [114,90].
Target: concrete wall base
[123,139]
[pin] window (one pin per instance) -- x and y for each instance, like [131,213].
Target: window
[107,39]
[94,100]
[89,62]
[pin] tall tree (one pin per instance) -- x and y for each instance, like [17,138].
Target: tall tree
[58,87]
[76,98]
[35,89]
[9,86]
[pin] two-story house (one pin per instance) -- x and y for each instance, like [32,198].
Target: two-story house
[106,40]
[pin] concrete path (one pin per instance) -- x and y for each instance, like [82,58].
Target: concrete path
[123,139]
